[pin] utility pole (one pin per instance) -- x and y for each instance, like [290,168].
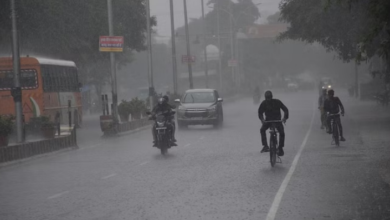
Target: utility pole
[219,51]
[174,60]
[357,92]
[113,66]
[150,58]
[231,40]
[205,47]
[17,90]
[189,57]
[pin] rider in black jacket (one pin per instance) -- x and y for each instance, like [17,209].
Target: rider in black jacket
[163,106]
[271,108]
[332,106]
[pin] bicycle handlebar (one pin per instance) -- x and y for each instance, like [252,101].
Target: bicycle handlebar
[273,121]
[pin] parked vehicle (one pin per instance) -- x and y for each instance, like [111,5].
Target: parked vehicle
[200,107]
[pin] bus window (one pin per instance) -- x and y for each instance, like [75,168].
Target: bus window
[59,79]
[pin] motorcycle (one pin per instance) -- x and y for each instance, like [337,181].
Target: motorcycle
[163,133]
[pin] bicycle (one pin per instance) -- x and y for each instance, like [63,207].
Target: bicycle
[273,141]
[335,129]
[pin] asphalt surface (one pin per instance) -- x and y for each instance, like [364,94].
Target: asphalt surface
[212,174]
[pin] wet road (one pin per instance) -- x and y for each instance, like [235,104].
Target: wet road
[213,174]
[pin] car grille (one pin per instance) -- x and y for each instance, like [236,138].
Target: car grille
[192,113]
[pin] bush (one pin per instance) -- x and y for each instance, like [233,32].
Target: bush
[5,125]
[137,107]
[124,110]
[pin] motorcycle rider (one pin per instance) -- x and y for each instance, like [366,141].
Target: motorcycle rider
[321,102]
[271,108]
[163,106]
[333,105]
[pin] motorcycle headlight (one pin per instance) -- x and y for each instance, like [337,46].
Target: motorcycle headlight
[160,124]
[329,86]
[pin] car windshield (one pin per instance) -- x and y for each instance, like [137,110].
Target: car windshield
[199,97]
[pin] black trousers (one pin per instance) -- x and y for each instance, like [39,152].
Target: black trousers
[279,127]
[336,120]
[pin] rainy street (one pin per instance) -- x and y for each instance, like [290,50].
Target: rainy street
[212,174]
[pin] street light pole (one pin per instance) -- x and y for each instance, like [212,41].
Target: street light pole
[219,51]
[17,91]
[205,47]
[150,58]
[189,58]
[113,66]
[174,61]
[231,40]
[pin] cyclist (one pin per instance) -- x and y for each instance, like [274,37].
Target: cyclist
[321,102]
[271,108]
[333,105]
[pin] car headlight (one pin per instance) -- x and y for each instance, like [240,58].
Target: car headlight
[212,108]
[329,86]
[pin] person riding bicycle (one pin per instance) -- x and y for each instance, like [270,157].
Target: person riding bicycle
[321,103]
[333,105]
[271,108]
[163,106]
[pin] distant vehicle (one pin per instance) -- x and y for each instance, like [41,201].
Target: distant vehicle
[47,87]
[200,107]
[292,86]
[326,83]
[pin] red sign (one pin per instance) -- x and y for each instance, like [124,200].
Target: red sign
[186,59]
[232,63]
[111,43]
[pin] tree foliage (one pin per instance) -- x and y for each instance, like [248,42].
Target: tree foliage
[355,29]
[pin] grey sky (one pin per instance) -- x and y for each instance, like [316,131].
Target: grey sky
[160,9]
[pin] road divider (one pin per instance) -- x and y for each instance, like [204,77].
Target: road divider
[25,150]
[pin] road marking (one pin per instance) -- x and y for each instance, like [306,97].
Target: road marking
[187,145]
[109,176]
[143,163]
[58,195]
[279,195]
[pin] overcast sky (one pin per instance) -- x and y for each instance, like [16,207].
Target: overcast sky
[160,9]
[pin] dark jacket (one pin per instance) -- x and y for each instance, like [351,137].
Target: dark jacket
[333,105]
[272,108]
[162,108]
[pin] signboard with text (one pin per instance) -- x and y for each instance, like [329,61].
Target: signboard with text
[232,63]
[111,43]
[188,59]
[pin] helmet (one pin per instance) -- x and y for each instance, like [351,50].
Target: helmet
[166,98]
[331,92]
[161,101]
[268,95]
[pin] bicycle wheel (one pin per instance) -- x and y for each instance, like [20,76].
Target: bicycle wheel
[272,151]
[336,133]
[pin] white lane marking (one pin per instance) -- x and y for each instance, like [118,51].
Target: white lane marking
[109,176]
[58,195]
[278,197]
[187,145]
[143,163]
[202,137]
